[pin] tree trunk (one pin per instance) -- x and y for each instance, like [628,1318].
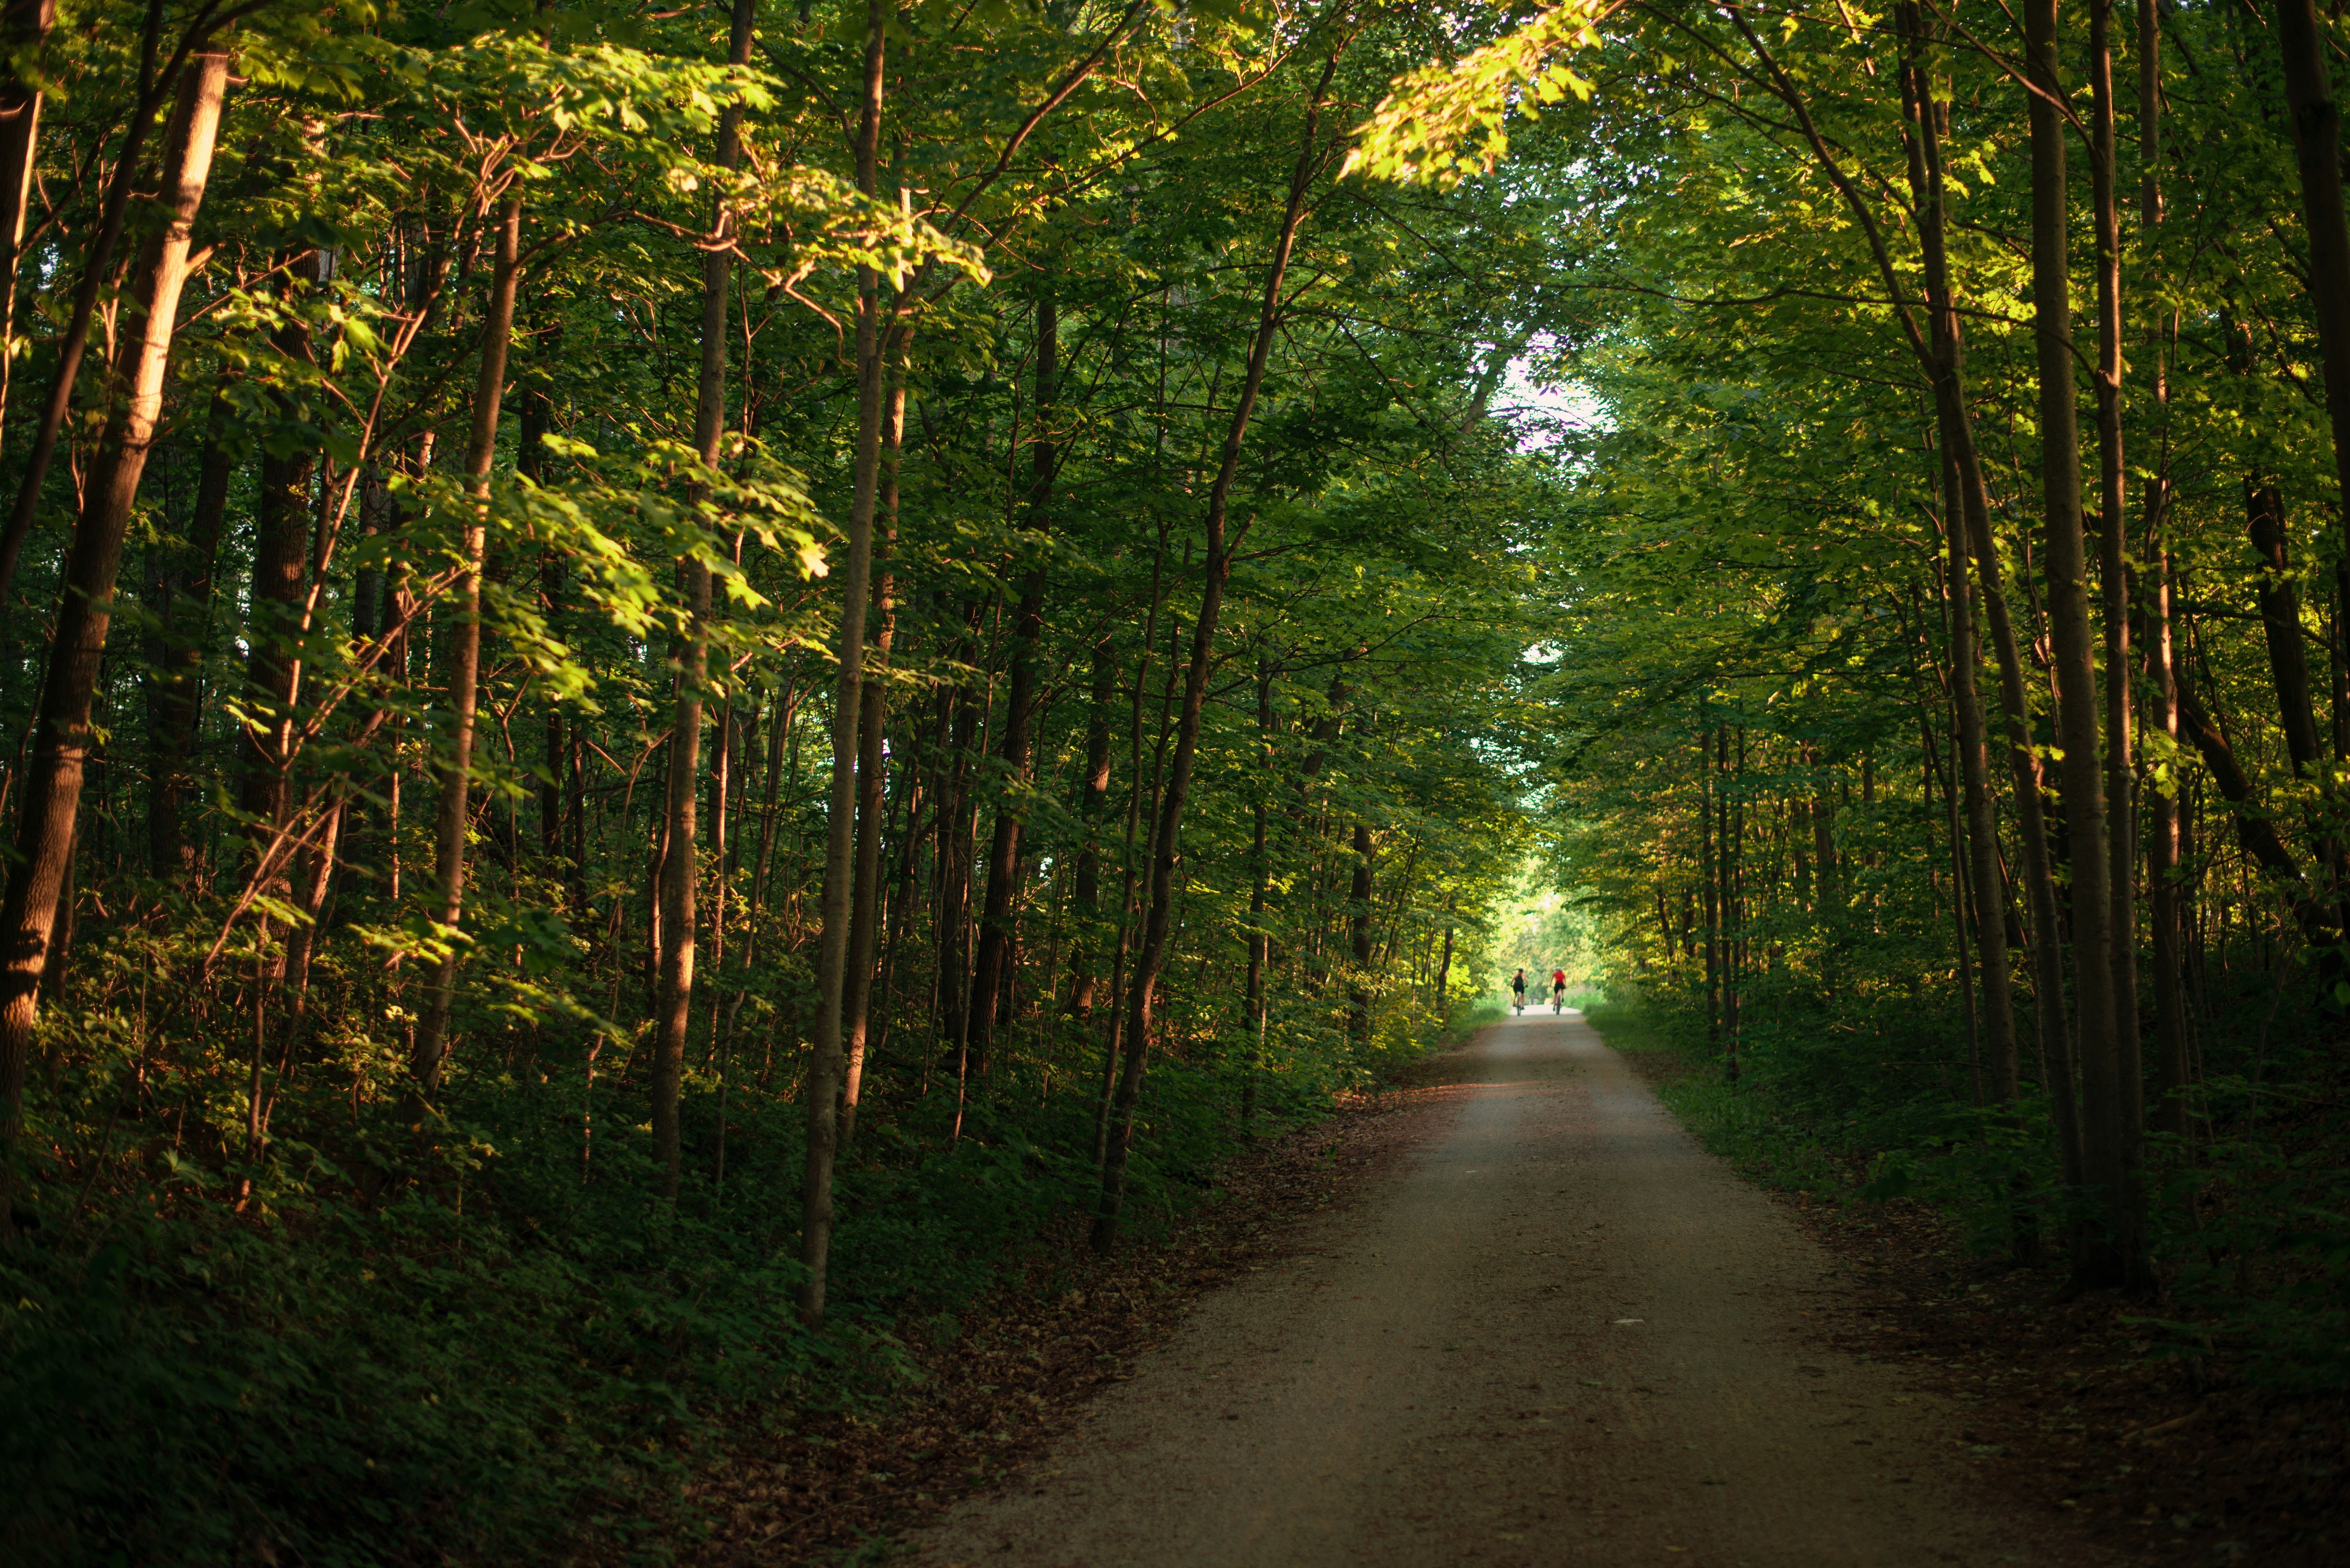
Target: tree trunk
[2114,574]
[1020,702]
[63,740]
[1709,857]
[680,872]
[1260,940]
[1981,830]
[1358,931]
[186,621]
[824,1071]
[2316,118]
[23,27]
[2163,809]
[281,560]
[97,260]
[2280,606]
[1944,353]
[1092,803]
[1444,968]
[1215,567]
[2106,1245]
[2254,832]
[872,822]
[465,658]
[1113,1051]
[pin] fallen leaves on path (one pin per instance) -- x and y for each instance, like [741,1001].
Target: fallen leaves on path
[1018,1372]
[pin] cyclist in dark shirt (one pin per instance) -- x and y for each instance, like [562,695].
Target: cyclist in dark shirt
[1518,990]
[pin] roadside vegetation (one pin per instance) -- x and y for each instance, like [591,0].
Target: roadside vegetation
[669,679]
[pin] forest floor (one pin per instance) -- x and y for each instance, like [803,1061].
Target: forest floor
[1510,1313]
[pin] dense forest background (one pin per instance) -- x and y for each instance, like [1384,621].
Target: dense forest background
[670,678]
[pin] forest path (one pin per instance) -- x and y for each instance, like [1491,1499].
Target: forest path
[1553,1330]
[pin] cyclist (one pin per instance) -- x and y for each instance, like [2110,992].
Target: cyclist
[1558,990]
[1518,990]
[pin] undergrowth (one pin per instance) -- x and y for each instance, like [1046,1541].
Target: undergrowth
[457,1343]
[2248,1218]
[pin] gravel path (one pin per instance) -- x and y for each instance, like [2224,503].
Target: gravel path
[1552,1331]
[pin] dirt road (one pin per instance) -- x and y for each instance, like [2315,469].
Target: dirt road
[1554,1331]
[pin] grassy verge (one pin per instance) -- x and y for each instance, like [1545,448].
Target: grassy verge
[1745,1124]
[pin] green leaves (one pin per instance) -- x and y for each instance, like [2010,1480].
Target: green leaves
[1447,122]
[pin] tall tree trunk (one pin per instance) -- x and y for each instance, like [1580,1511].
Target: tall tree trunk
[2114,574]
[2255,834]
[97,262]
[1113,1043]
[1709,857]
[1260,940]
[1981,829]
[281,560]
[1942,350]
[23,27]
[2280,606]
[186,624]
[872,819]
[1215,567]
[1725,874]
[1445,965]
[2317,147]
[680,871]
[1093,801]
[465,657]
[1358,931]
[1020,702]
[63,740]
[2106,1245]
[2164,805]
[2164,870]
[824,1071]
[537,413]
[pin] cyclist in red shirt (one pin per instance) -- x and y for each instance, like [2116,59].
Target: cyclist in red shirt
[1558,990]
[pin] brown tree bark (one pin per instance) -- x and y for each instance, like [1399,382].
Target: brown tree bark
[1113,1043]
[1941,352]
[1709,857]
[2280,606]
[2163,846]
[2316,118]
[281,559]
[2106,1247]
[872,818]
[185,619]
[466,658]
[2255,833]
[1020,700]
[63,740]
[25,27]
[680,871]
[1216,565]
[1092,803]
[1982,828]
[2164,871]
[1445,965]
[1358,943]
[1260,938]
[2114,581]
[826,1069]
[158,81]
